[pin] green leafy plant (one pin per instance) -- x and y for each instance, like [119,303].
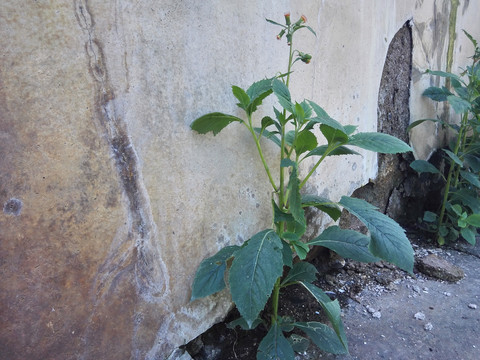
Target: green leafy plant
[459,212]
[263,266]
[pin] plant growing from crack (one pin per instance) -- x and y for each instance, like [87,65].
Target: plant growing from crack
[459,212]
[263,266]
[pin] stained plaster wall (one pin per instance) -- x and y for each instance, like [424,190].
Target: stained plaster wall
[111,201]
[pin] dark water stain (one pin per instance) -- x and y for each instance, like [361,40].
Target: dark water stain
[13,207]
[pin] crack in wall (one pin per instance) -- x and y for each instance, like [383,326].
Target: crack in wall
[137,248]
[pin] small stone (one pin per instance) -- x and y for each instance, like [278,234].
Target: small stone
[428,327]
[472,306]
[447,293]
[377,315]
[416,288]
[370,309]
[419,316]
[439,268]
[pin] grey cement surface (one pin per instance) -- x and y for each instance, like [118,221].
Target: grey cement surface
[449,330]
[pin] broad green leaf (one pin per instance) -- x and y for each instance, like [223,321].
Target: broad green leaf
[253,273]
[290,137]
[257,92]
[331,123]
[259,88]
[283,94]
[388,240]
[378,142]
[213,122]
[469,235]
[473,162]
[299,113]
[462,221]
[242,96]
[271,135]
[341,150]
[301,271]
[300,248]
[324,118]
[285,323]
[445,74]
[306,141]
[471,178]
[333,136]
[350,129]
[347,243]
[209,276]
[322,204]
[267,121]
[429,216]
[257,102]
[299,343]
[243,324]
[436,93]
[459,105]
[323,336]
[307,110]
[279,215]
[286,162]
[454,157]
[474,220]
[287,254]
[466,198]
[294,232]
[274,346]
[332,310]
[422,166]
[280,117]
[294,198]
[463,93]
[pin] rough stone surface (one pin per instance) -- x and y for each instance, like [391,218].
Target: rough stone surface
[385,190]
[109,201]
[439,268]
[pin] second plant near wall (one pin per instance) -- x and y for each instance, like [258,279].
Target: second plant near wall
[273,259]
[459,212]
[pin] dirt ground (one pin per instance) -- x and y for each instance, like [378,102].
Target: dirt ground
[387,313]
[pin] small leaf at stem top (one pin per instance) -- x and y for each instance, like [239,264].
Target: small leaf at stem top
[242,96]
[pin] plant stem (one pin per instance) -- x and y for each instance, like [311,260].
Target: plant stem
[282,147]
[327,152]
[275,297]
[450,175]
[260,152]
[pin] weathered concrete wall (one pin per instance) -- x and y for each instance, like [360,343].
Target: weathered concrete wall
[110,202]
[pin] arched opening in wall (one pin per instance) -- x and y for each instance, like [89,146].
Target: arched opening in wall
[387,191]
